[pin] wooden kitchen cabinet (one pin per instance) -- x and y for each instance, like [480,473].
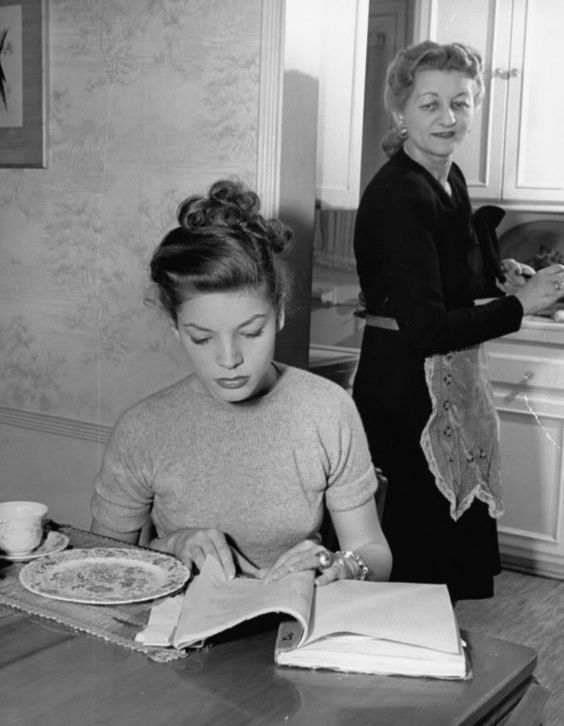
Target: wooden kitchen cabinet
[513,154]
[343,26]
[358,40]
[527,373]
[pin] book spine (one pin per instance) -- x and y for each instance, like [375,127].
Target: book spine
[289,635]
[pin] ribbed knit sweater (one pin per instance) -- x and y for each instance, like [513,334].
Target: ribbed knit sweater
[259,471]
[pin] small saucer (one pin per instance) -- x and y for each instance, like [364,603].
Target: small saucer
[53,542]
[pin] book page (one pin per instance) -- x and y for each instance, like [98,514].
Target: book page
[415,614]
[359,654]
[213,603]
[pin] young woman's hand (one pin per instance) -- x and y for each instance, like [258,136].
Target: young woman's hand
[542,290]
[308,555]
[192,546]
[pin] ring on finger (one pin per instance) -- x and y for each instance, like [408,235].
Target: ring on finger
[559,284]
[325,559]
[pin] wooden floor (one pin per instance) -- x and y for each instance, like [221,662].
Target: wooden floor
[527,610]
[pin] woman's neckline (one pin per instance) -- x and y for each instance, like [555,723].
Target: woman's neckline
[197,387]
[445,185]
[446,188]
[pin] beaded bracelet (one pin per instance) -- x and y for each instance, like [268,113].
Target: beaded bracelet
[363,568]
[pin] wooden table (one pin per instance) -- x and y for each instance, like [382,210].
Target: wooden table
[50,675]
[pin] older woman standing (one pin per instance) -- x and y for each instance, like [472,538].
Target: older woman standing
[421,384]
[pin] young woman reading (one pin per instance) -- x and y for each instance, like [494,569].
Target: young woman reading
[240,459]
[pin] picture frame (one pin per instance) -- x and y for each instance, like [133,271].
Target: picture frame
[23,84]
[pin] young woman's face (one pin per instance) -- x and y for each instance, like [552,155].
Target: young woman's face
[438,114]
[229,338]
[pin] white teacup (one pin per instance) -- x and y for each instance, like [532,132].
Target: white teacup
[21,526]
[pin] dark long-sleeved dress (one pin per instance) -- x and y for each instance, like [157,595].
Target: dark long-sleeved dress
[420,262]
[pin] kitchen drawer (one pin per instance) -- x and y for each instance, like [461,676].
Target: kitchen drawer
[524,370]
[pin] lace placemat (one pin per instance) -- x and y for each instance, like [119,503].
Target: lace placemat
[118,624]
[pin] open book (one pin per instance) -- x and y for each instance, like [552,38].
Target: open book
[364,627]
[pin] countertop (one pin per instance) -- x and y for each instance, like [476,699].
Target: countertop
[539,329]
[336,363]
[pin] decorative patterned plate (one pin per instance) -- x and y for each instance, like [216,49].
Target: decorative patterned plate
[105,575]
[53,542]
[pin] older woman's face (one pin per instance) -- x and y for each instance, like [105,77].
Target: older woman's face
[438,113]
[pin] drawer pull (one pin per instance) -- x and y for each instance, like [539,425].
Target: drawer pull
[520,384]
[505,75]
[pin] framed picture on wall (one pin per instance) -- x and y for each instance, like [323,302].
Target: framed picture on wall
[23,92]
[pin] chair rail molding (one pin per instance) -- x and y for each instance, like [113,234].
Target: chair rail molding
[57,425]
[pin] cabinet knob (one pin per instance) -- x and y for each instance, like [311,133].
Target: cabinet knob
[527,376]
[506,74]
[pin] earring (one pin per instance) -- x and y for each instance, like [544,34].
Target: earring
[402,128]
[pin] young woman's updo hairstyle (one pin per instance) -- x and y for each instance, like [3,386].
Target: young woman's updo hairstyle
[426,56]
[222,244]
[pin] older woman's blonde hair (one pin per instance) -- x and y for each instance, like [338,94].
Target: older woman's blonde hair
[426,56]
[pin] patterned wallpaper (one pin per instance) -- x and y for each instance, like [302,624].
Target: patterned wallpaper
[149,101]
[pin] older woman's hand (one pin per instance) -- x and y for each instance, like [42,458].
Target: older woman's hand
[516,275]
[542,290]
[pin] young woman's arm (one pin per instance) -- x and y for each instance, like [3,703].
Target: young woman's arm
[130,537]
[359,532]
[192,545]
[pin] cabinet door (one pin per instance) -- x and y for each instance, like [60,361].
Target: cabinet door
[343,26]
[387,33]
[526,369]
[485,25]
[513,153]
[534,159]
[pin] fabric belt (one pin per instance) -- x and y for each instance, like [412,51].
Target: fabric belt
[379,321]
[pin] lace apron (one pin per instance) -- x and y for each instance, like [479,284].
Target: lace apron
[461,438]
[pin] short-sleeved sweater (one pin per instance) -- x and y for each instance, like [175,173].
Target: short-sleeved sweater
[259,471]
